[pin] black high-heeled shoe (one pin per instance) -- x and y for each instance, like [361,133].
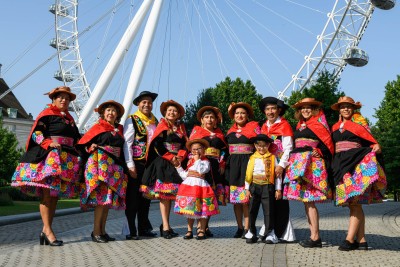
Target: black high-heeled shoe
[43,240]
[98,238]
[108,238]
[167,234]
[173,233]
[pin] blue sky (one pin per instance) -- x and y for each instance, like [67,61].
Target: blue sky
[184,59]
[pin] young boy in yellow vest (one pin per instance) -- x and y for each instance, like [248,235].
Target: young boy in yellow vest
[262,187]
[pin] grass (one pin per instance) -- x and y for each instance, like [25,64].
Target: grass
[21,207]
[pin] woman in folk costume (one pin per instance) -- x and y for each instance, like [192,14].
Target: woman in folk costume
[216,153]
[279,129]
[306,178]
[358,176]
[240,149]
[195,198]
[105,169]
[50,166]
[165,151]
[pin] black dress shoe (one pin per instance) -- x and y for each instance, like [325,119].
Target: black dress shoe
[108,238]
[132,237]
[362,246]
[148,234]
[98,238]
[208,233]
[252,240]
[239,233]
[347,246]
[311,243]
[244,233]
[43,240]
[173,233]
[167,234]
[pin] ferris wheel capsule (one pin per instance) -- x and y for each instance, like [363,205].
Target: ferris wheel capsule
[384,4]
[356,57]
[61,10]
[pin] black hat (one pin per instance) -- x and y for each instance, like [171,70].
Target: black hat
[274,101]
[153,96]
[261,137]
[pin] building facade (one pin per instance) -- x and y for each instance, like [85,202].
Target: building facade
[15,118]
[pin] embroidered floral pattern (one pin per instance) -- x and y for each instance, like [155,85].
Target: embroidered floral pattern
[59,172]
[366,185]
[195,207]
[306,179]
[238,195]
[160,190]
[105,182]
[37,137]
[221,194]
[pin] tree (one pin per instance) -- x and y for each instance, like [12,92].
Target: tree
[221,96]
[325,89]
[387,131]
[9,153]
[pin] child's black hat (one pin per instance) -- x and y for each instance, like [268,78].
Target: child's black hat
[261,137]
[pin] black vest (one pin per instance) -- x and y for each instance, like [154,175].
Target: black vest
[139,145]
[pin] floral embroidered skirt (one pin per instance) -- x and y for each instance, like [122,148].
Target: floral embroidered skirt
[366,185]
[237,195]
[160,190]
[105,182]
[59,172]
[196,199]
[222,193]
[306,179]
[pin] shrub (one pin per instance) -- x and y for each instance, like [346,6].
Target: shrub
[16,194]
[5,199]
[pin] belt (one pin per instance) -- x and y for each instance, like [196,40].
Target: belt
[172,147]
[192,173]
[241,149]
[116,151]
[261,179]
[346,145]
[303,142]
[62,140]
[212,152]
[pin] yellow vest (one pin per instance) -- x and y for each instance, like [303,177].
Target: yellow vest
[269,164]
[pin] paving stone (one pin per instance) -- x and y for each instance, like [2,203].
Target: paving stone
[19,244]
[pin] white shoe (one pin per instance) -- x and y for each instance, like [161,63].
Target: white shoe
[262,231]
[271,238]
[248,235]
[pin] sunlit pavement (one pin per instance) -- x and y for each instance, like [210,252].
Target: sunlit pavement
[19,242]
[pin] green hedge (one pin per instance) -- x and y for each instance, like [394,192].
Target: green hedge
[16,194]
[5,200]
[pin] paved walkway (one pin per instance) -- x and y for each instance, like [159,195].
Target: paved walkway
[19,244]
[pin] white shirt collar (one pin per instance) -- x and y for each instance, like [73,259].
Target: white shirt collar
[278,120]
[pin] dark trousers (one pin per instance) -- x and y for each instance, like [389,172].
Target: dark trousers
[136,204]
[264,195]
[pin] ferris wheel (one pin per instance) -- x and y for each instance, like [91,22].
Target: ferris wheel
[341,28]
